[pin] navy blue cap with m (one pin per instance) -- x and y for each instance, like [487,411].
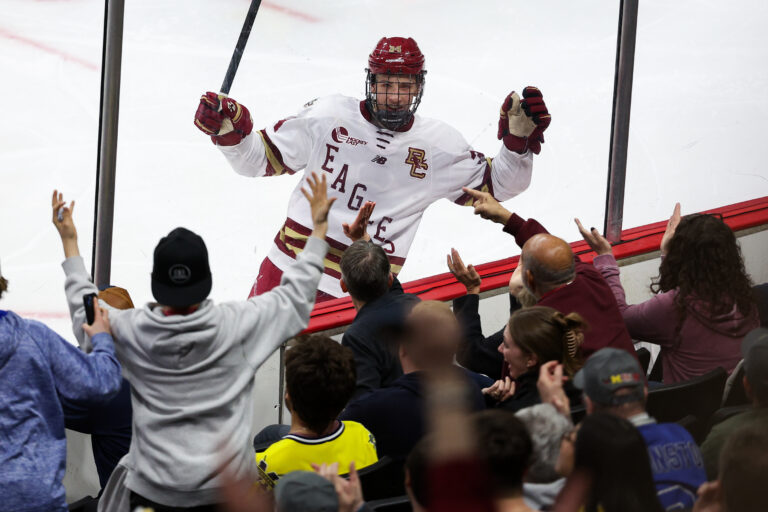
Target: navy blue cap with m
[606,372]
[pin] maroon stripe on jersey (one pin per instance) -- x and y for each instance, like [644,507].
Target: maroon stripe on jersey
[290,223]
[334,256]
[277,154]
[299,244]
[396,260]
[303,230]
[466,200]
[385,133]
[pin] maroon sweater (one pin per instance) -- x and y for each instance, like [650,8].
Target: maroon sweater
[588,295]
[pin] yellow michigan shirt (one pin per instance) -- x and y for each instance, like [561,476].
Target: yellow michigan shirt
[350,442]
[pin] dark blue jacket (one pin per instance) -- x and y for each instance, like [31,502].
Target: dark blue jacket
[36,366]
[371,337]
[676,462]
[395,414]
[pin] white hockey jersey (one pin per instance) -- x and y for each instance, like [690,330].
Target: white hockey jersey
[403,171]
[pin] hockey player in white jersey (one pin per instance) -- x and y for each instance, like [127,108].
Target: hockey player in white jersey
[376,150]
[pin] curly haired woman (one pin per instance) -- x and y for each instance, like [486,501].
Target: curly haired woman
[703,304]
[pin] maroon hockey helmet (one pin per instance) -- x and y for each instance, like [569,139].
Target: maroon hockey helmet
[394,56]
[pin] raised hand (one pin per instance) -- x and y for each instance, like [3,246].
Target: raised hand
[358,230]
[100,321]
[64,223]
[487,206]
[224,119]
[319,204]
[550,386]
[350,492]
[594,239]
[466,275]
[62,216]
[672,224]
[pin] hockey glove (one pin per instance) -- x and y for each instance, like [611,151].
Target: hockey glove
[522,122]
[224,119]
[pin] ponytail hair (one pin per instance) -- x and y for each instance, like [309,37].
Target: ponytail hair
[549,335]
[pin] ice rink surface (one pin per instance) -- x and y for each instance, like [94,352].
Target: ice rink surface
[697,125]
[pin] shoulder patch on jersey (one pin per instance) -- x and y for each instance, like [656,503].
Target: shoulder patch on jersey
[310,103]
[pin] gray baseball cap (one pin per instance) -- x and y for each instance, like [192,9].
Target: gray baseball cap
[754,349]
[607,371]
[306,491]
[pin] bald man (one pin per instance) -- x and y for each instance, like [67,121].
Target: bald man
[395,414]
[559,279]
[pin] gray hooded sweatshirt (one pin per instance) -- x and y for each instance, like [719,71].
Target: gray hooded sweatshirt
[192,377]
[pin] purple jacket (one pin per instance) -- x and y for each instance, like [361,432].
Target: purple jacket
[703,343]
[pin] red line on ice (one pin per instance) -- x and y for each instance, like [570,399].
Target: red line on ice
[48,49]
[291,12]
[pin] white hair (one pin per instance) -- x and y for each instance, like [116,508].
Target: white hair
[546,427]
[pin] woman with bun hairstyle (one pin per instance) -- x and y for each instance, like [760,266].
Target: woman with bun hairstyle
[532,337]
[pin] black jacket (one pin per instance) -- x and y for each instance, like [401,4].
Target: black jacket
[371,338]
[527,394]
[478,353]
[395,414]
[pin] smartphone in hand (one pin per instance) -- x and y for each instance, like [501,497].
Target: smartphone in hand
[88,303]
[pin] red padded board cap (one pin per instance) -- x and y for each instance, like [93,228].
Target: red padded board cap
[496,274]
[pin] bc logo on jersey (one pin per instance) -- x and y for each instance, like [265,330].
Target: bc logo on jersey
[417,159]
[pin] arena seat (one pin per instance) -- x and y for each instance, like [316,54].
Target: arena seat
[396,504]
[699,397]
[382,480]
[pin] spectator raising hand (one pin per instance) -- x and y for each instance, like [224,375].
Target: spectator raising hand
[466,275]
[672,224]
[487,206]
[594,239]
[65,225]
[319,204]
[350,492]
[550,386]
[358,230]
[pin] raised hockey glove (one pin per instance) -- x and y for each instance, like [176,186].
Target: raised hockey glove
[224,119]
[522,121]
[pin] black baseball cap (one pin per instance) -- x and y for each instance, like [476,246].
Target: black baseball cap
[754,350]
[181,275]
[607,371]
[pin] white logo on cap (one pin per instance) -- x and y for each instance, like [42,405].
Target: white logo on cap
[179,273]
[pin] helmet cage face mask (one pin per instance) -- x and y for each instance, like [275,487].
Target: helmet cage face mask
[378,104]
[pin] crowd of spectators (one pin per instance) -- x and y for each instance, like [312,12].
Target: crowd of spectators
[551,412]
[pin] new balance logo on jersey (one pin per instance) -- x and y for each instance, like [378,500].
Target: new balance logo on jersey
[417,158]
[341,135]
[378,159]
